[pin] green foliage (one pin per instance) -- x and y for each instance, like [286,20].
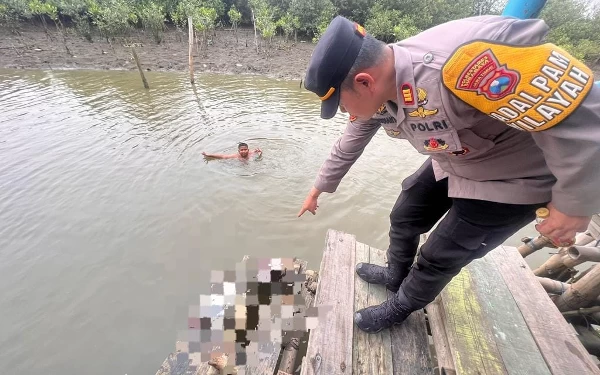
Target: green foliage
[405,28]
[264,16]
[13,11]
[152,16]
[204,18]
[288,24]
[574,24]
[113,17]
[314,15]
[234,16]
[382,22]
[36,7]
[203,13]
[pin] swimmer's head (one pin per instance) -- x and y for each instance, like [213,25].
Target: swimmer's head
[243,150]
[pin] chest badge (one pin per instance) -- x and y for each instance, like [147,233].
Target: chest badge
[435,144]
[392,133]
[422,112]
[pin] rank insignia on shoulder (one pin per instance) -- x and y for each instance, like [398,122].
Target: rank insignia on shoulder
[530,88]
[407,94]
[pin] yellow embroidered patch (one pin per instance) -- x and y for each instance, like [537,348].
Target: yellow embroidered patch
[530,88]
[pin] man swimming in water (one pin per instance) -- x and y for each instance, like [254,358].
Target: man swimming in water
[243,153]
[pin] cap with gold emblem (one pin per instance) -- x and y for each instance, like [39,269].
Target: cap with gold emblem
[331,62]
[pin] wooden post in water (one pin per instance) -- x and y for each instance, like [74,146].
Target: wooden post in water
[137,62]
[191,47]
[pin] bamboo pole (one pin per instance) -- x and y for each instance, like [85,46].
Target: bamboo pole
[137,62]
[562,261]
[582,293]
[531,245]
[582,274]
[553,266]
[584,311]
[579,254]
[553,286]
[191,47]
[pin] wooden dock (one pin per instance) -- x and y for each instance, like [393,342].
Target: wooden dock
[493,318]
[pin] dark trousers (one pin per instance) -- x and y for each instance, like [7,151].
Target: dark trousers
[470,230]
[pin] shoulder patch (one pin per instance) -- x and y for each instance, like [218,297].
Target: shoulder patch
[530,88]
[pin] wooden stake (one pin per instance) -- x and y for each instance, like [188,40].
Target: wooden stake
[255,37]
[191,47]
[137,61]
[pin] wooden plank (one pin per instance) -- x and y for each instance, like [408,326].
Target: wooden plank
[410,346]
[515,343]
[471,339]
[409,340]
[380,344]
[436,318]
[556,341]
[360,355]
[330,344]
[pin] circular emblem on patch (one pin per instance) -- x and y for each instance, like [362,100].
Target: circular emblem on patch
[500,85]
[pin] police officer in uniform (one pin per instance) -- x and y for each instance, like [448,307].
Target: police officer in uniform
[510,124]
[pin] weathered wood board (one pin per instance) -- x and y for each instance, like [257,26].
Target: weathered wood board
[372,352]
[436,317]
[556,340]
[330,344]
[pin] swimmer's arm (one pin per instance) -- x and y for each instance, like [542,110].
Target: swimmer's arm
[219,156]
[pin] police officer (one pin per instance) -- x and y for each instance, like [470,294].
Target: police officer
[510,125]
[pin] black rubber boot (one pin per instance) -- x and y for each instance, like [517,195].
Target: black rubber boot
[389,276]
[376,318]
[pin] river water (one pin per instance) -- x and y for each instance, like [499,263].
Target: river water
[110,219]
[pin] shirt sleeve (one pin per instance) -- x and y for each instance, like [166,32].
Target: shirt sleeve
[572,152]
[572,147]
[344,153]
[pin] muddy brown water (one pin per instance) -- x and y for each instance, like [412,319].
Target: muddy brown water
[110,220]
